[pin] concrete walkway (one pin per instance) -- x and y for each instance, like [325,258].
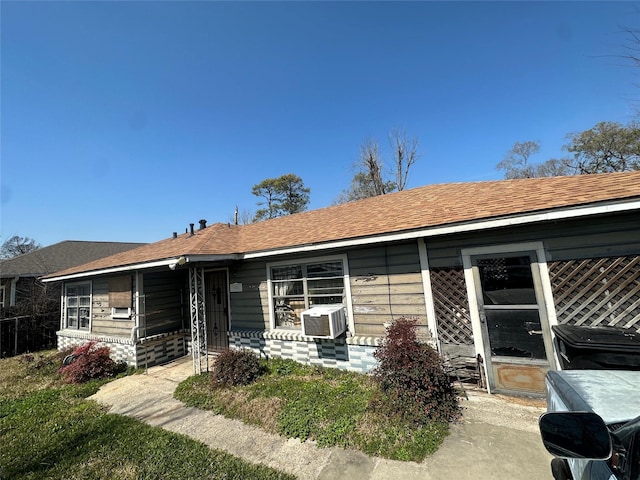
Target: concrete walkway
[496,439]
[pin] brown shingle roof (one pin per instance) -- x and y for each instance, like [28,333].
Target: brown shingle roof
[419,208]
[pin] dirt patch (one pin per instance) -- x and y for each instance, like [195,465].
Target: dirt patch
[537,402]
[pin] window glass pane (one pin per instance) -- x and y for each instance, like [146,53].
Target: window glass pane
[327,269]
[326,286]
[84,290]
[293,287]
[72,317]
[507,281]
[72,301]
[515,333]
[286,273]
[85,301]
[84,318]
[325,300]
[72,290]
[297,287]
[287,312]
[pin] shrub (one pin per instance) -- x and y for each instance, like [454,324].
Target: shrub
[235,367]
[411,376]
[88,362]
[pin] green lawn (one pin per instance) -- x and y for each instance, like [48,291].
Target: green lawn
[329,406]
[49,431]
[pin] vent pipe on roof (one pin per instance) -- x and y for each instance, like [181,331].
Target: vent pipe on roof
[203,224]
[175,234]
[191,228]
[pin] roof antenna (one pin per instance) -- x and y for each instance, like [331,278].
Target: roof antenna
[235,216]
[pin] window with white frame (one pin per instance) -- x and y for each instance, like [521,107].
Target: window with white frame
[2,294]
[296,287]
[123,313]
[77,305]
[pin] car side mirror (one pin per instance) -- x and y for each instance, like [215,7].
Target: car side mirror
[575,435]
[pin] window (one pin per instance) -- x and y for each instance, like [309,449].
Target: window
[121,313]
[298,286]
[2,296]
[78,305]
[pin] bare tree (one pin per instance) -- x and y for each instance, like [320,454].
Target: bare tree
[372,165]
[405,153]
[17,245]
[370,179]
[242,217]
[516,161]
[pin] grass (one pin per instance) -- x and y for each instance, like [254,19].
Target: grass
[49,430]
[328,406]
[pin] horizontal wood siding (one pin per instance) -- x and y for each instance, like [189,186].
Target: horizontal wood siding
[250,307]
[166,302]
[101,321]
[386,284]
[602,236]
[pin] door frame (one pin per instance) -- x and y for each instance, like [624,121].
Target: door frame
[481,343]
[208,287]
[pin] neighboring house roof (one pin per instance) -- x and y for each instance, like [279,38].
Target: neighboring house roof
[60,256]
[432,208]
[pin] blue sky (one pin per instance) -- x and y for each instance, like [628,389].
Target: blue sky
[126,121]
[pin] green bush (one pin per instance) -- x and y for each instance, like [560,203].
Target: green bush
[411,376]
[235,368]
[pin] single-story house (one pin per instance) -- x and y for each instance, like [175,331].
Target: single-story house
[22,294]
[486,268]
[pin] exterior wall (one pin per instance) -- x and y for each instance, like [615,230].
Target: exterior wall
[101,321]
[152,351]
[353,354]
[386,283]
[249,308]
[600,249]
[166,300]
[612,235]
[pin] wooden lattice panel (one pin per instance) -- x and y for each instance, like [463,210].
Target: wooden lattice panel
[597,291]
[451,306]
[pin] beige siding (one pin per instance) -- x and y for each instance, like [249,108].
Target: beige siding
[386,284]
[101,321]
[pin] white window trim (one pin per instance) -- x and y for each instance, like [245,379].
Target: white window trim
[64,307]
[347,286]
[3,297]
[120,315]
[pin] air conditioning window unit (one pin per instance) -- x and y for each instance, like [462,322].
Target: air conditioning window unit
[324,321]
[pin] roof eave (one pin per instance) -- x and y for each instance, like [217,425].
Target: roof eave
[565,213]
[462,227]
